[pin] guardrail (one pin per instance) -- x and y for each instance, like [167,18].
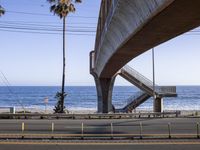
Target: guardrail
[109,131]
[89,116]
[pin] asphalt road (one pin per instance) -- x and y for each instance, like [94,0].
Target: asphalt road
[121,126]
[125,126]
[155,145]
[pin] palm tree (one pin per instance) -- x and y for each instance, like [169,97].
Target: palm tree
[2,11]
[62,8]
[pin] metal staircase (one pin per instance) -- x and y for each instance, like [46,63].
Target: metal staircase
[134,101]
[144,85]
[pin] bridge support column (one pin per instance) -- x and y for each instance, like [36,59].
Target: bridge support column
[104,87]
[158,104]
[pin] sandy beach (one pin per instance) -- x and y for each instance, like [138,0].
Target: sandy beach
[50,110]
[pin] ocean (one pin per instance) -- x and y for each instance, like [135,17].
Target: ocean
[84,97]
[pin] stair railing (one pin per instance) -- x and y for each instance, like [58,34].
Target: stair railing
[138,76]
[147,82]
[133,97]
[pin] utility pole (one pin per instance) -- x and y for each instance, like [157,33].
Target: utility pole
[153,67]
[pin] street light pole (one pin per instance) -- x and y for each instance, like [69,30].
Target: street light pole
[153,67]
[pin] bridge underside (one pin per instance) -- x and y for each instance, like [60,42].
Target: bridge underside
[132,28]
[139,25]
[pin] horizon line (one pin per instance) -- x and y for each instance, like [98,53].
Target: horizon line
[82,85]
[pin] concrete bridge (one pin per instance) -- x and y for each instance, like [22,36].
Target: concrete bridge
[128,28]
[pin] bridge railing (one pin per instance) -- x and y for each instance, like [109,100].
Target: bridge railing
[167,89]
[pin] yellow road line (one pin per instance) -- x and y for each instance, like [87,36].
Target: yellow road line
[101,143]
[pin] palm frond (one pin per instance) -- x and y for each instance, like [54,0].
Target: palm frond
[51,1]
[2,11]
[63,7]
[78,1]
[52,8]
[71,8]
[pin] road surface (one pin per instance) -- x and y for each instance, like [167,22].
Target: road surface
[144,145]
[108,127]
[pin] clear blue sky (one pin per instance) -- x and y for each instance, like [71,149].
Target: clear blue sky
[36,59]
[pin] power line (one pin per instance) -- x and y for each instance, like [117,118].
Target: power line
[47,33]
[40,14]
[13,26]
[43,28]
[8,85]
[46,29]
[76,34]
[44,25]
[25,3]
[85,23]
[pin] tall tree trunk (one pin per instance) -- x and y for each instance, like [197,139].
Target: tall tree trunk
[63,75]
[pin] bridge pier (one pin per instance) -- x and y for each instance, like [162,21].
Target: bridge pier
[158,104]
[104,87]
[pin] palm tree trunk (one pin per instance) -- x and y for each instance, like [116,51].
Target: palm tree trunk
[63,75]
